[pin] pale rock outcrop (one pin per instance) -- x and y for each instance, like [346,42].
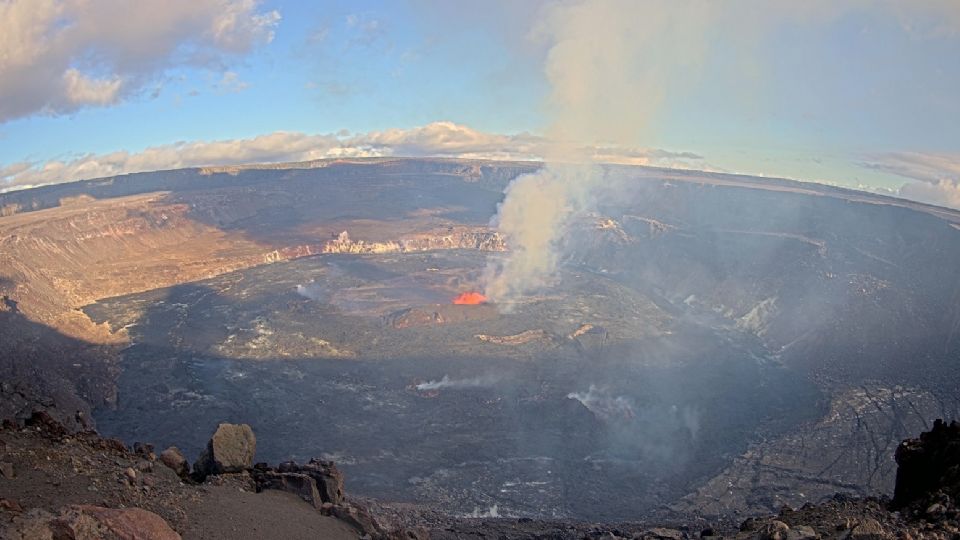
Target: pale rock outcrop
[230,450]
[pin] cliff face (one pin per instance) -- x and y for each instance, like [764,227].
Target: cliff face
[59,259]
[461,238]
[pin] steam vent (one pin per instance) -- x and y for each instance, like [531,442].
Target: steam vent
[392,270]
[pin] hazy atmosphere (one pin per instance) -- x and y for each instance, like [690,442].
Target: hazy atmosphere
[411,270]
[857,93]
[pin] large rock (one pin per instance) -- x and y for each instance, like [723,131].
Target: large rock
[86,522]
[868,529]
[230,450]
[928,465]
[173,458]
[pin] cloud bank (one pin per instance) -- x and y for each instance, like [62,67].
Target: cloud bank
[438,139]
[935,177]
[58,56]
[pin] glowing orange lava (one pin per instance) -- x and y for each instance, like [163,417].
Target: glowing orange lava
[470,298]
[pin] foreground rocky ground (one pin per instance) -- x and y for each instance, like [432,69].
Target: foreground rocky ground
[60,485]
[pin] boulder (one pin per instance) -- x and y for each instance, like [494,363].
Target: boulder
[774,530]
[173,458]
[802,532]
[6,470]
[358,518]
[230,450]
[84,522]
[868,529]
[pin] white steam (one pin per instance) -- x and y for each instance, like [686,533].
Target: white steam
[604,87]
[313,291]
[492,512]
[447,382]
[534,218]
[603,405]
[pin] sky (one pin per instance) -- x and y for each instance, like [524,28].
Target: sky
[854,93]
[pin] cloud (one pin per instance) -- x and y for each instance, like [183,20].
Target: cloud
[936,177]
[442,139]
[943,193]
[230,83]
[57,56]
[450,139]
[83,90]
[925,167]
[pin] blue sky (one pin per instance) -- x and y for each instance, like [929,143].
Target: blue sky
[861,94]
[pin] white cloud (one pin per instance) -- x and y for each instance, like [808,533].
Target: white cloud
[936,177]
[444,139]
[926,167]
[82,90]
[943,193]
[57,56]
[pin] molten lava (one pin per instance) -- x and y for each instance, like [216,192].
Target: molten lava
[470,298]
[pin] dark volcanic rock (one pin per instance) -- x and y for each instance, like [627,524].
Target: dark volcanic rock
[43,420]
[143,449]
[929,467]
[230,450]
[317,482]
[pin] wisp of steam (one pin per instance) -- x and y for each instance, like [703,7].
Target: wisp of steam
[447,382]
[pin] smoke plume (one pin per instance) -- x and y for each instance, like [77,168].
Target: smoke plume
[600,95]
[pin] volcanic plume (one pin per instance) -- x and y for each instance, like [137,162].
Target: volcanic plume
[471,298]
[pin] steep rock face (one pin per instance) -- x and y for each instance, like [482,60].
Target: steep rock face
[62,258]
[42,370]
[929,468]
[482,240]
[317,482]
